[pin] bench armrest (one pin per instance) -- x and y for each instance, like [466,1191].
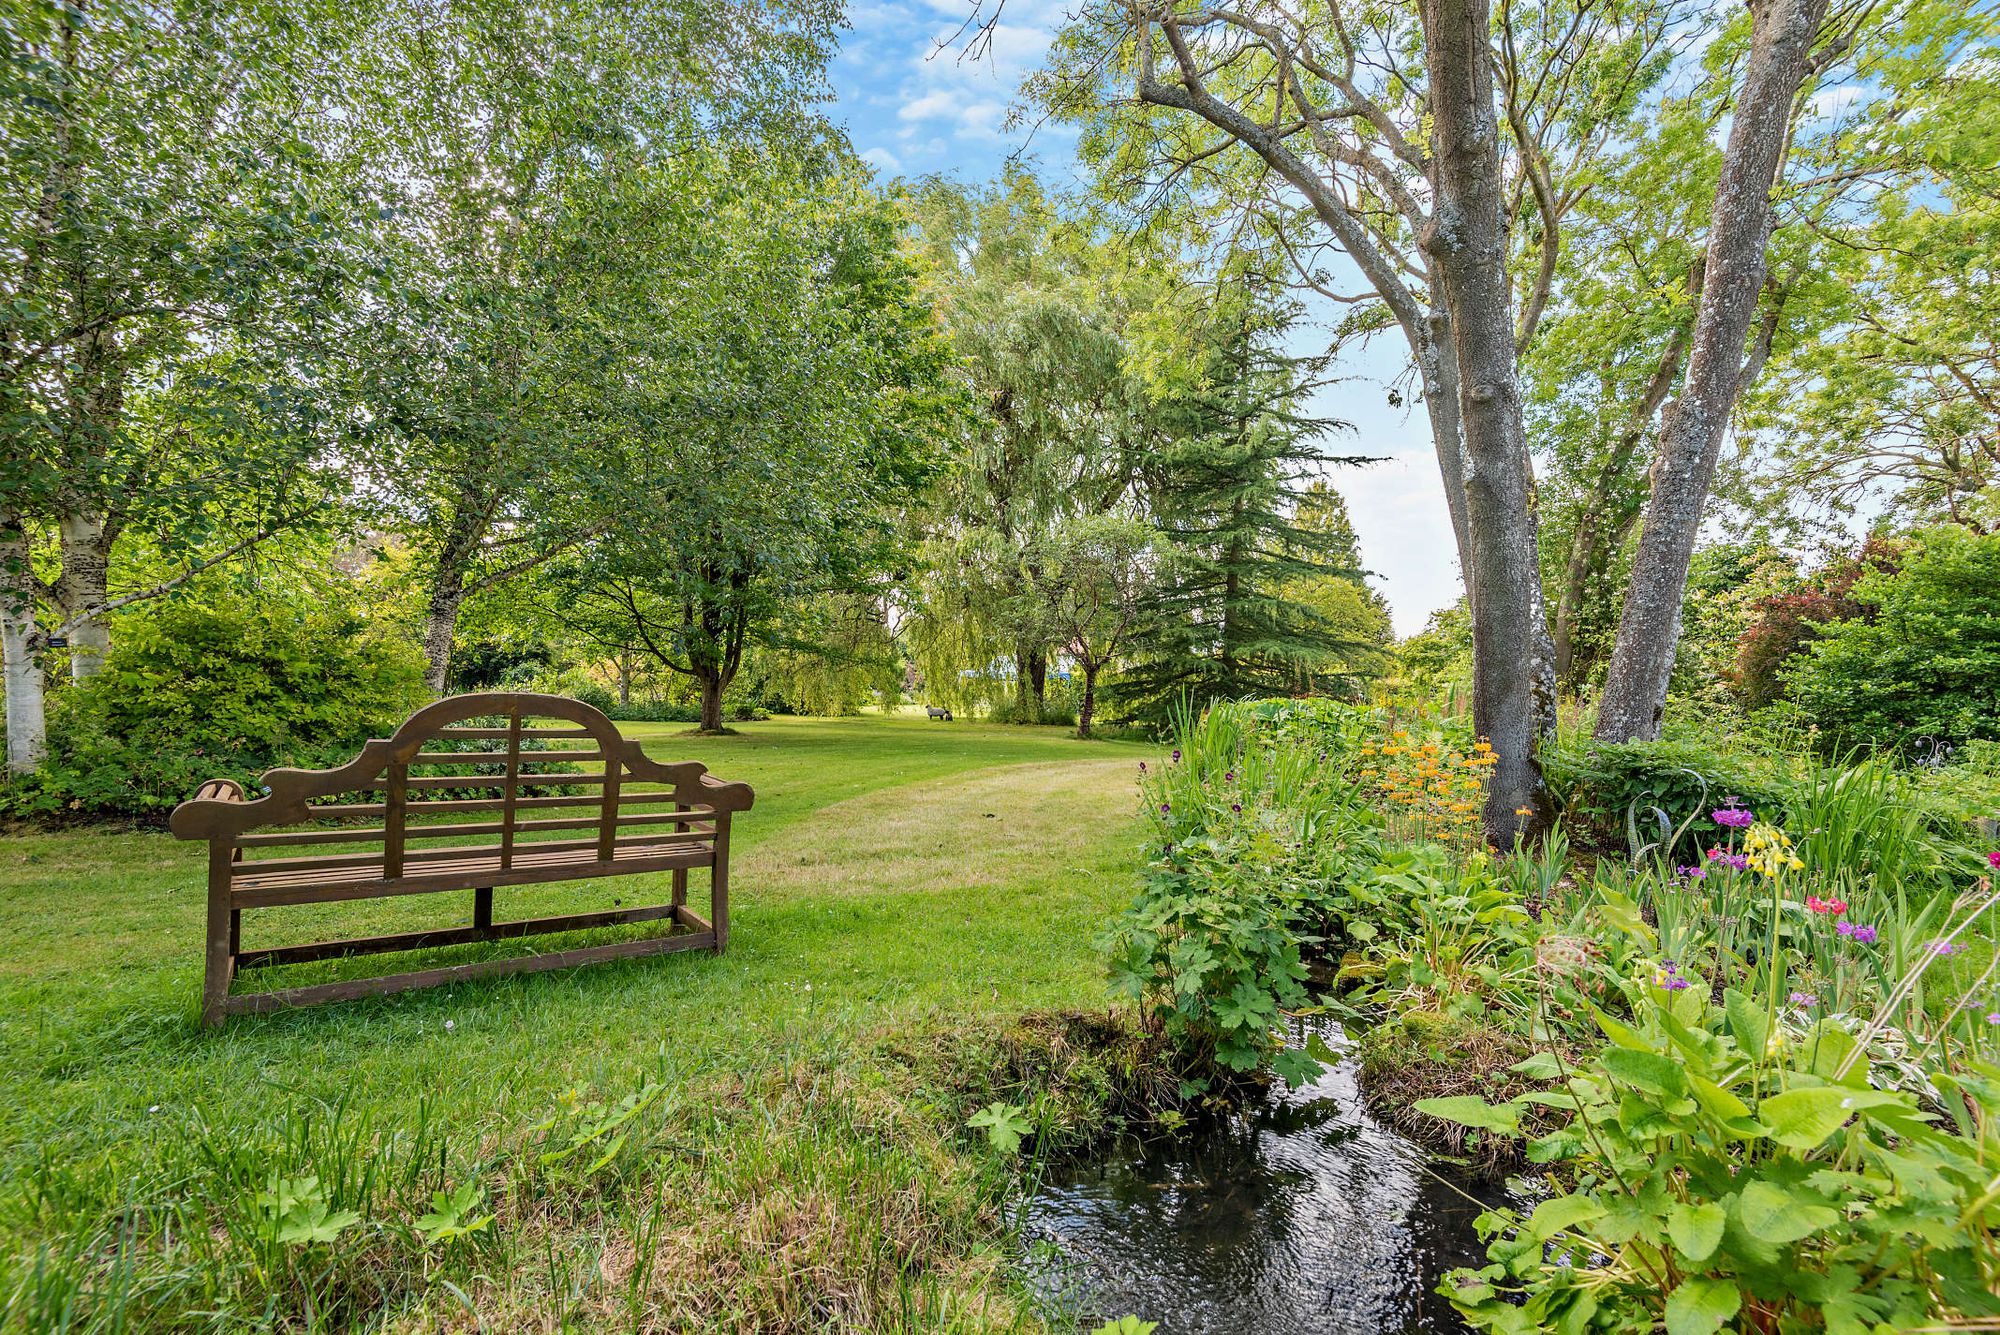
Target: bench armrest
[188,819]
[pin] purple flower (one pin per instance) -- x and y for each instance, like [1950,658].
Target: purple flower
[1804,999]
[1946,947]
[1229,776]
[1993,1017]
[1236,807]
[1676,983]
[1166,807]
[1690,873]
[1865,935]
[1735,818]
[1177,755]
[1734,861]
[1142,767]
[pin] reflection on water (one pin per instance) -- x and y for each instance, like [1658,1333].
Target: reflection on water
[1302,1216]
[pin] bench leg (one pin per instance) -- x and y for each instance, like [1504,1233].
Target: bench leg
[224,928]
[718,885]
[482,908]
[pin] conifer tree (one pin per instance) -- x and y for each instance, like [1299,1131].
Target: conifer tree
[1224,484]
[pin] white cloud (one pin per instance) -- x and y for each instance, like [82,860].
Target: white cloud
[931,106]
[882,160]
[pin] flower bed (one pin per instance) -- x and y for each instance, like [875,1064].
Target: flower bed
[1760,1056]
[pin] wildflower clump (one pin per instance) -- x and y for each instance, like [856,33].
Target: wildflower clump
[1428,789]
[1769,851]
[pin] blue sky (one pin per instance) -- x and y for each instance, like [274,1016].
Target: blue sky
[915,105]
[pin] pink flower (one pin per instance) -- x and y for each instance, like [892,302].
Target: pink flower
[1993,859]
[1834,906]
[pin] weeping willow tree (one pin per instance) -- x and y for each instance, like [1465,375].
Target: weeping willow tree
[1036,307]
[837,653]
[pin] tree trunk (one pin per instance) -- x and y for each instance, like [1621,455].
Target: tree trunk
[624,680]
[1467,238]
[447,595]
[84,587]
[711,701]
[1437,369]
[1649,626]
[1027,692]
[1088,708]
[27,731]
[441,626]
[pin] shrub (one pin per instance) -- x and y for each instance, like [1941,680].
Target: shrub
[1644,792]
[193,691]
[1924,661]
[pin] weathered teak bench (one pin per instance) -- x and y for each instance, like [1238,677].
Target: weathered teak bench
[389,799]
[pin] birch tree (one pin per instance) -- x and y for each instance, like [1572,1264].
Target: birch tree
[181,234]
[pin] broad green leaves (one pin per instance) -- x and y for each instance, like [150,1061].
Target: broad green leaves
[1004,1124]
[1467,1110]
[1698,1305]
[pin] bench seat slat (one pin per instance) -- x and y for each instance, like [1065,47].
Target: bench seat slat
[332,862]
[470,873]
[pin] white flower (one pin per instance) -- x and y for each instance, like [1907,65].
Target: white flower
[450,1025]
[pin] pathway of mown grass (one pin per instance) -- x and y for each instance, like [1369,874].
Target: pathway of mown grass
[898,881]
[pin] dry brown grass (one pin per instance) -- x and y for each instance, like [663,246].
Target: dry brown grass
[1426,1055]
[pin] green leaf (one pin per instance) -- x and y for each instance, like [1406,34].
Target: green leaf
[1747,1022]
[1699,1305]
[1647,1071]
[1696,1230]
[1718,1101]
[1560,1213]
[1467,1110]
[1541,1066]
[1773,1214]
[1127,1325]
[1802,1118]
[1620,1033]
[1295,1067]
[1004,1124]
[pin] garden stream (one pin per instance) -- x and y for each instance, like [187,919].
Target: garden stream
[1300,1215]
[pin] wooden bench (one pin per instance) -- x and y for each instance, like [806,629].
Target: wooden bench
[474,756]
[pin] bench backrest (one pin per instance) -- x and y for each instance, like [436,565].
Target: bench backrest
[490,772]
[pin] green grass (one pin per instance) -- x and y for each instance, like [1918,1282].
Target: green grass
[901,889]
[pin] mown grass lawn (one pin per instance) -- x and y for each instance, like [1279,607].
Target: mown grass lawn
[902,890]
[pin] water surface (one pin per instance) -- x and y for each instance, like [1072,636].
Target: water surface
[1302,1215]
